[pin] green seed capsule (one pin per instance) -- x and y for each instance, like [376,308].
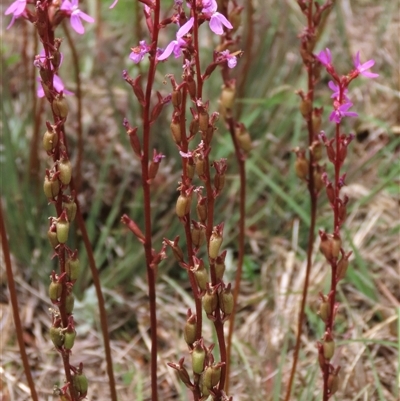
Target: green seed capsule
[65,169]
[80,383]
[226,301]
[55,290]
[69,303]
[211,376]
[52,236]
[210,302]
[215,245]
[189,332]
[329,349]
[50,140]
[198,358]
[69,339]
[51,188]
[70,208]
[72,268]
[201,276]
[60,107]
[62,230]
[56,336]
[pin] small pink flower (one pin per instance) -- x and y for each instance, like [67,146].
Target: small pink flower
[231,59]
[217,20]
[362,68]
[175,46]
[16,8]
[336,91]
[341,111]
[139,52]
[71,7]
[325,57]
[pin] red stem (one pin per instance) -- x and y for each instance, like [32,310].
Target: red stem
[14,305]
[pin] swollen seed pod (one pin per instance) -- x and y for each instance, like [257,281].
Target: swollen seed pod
[226,301]
[333,383]
[198,359]
[329,348]
[301,166]
[201,209]
[51,188]
[210,302]
[72,267]
[183,205]
[62,229]
[56,336]
[317,178]
[211,376]
[227,98]
[52,236]
[176,132]
[60,106]
[201,276]
[342,268]
[189,332]
[69,303]
[69,339]
[214,245]
[199,166]
[198,236]
[176,98]
[65,169]
[203,120]
[324,310]
[55,290]
[80,383]
[50,140]
[70,207]
[305,107]
[219,182]
[243,138]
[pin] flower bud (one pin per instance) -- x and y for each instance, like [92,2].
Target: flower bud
[55,291]
[60,106]
[72,268]
[56,336]
[328,348]
[210,301]
[50,140]
[69,339]
[198,358]
[65,169]
[80,383]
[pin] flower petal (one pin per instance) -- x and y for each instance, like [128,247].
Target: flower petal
[168,50]
[76,24]
[185,28]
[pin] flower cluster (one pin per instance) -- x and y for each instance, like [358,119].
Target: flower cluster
[341,102]
[69,8]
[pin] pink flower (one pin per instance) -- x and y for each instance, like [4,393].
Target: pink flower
[16,8]
[341,111]
[325,57]
[231,59]
[175,46]
[58,86]
[71,7]
[217,20]
[362,68]
[139,52]
[336,91]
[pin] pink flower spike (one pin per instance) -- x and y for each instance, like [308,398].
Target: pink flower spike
[113,4]
[71,7]
[341,112]
[362,68]
[325,57]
